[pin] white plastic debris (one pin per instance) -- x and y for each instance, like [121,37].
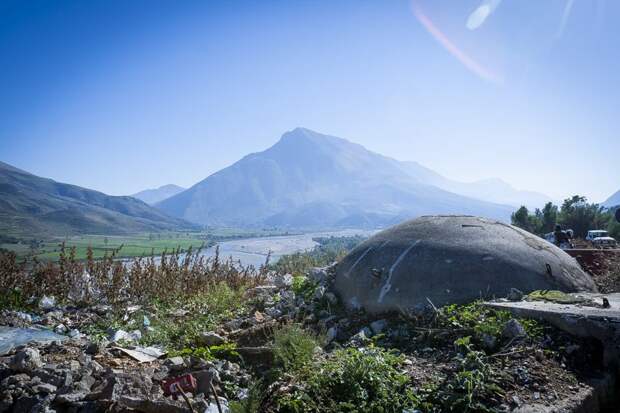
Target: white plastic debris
[118,335]
[47,303]
[142,354]
[75,333]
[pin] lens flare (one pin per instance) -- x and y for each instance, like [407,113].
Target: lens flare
[460,55]
[480,15]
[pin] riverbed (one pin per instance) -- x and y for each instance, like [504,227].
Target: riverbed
[254,251]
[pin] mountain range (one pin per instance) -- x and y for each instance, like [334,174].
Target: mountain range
[32,205]
[492,189]
[153,196]
[311,180]
[612,201]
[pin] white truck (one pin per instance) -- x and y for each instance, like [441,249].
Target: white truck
[601,239]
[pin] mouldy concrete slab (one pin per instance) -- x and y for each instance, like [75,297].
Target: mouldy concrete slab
[451,259]
[580,320]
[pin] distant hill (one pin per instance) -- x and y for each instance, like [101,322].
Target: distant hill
[31,205]
[612,201]
[311,180]
[491,190]
[153,196]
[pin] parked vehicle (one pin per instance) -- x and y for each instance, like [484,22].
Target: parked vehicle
[601,239]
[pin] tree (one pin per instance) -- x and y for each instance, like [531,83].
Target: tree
[548,218]
[576,214]
[522,219]
[580,216]
[614,229]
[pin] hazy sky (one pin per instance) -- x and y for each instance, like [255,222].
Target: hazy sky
[125,95]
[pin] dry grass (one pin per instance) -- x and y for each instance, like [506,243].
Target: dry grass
[113,281]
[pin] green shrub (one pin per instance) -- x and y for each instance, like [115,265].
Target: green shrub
[221,351]
[477,320]
[472,389]
[205,312]
[352,380]
[303,286]
[293,347]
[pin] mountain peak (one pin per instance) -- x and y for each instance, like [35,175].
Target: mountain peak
[309,179]
[301,133]
[153,196]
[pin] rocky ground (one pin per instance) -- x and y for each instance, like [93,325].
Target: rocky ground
[466,358]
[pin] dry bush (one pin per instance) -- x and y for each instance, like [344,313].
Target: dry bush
[114,281]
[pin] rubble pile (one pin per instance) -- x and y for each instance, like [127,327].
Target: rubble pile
[114,373]
[77,375]
[119,372]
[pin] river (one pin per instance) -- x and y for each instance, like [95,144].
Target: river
[253,251]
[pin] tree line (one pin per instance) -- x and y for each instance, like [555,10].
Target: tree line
[575,213]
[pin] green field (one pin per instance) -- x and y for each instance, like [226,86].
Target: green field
[128,245]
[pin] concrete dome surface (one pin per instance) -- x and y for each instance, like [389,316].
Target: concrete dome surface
[452,259]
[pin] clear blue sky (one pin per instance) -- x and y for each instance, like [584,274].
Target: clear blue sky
[125,95]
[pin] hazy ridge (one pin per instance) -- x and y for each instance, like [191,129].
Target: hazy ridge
[32,205]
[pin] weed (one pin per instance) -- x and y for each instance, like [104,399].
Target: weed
[226,351]
[555,296]
[351,380]
[474,387]
[205,312]
[478,320]
[303,286]
[293,347]
[251,403]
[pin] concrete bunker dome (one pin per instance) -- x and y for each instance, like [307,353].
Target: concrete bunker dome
[452,259]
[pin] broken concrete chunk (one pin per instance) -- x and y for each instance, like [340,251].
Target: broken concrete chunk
[513,329]
[157,406]
[70,398]
[319,292]
[331,298]
[61,329]
[26,360]
[262,291]
[378,326]
[47,303]
[283,280]
[515,294]
[331,334]
[318,275]
[210,338]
